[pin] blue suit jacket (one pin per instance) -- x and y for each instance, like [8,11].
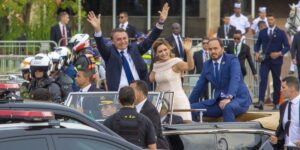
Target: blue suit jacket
[231,82]
[279,43]
[113,60]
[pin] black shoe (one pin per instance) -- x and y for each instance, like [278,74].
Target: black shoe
[291,72]
[259,106]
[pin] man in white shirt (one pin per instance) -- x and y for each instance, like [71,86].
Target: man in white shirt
[288,130]
[238,20]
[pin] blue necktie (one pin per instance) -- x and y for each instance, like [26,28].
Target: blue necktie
[217,72]
[181,54]
[128,72]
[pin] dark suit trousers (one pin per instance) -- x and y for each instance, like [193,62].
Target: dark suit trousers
[275,69]
[231,110]
[298,68]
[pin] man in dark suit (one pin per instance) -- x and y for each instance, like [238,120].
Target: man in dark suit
[199,58]
[226,30]
[242,51]
[176,41]
[61,32]
[123,60]
[124,24]
[145,107]
[231,96]
[288,133]
[274,45]
[85,80]
[295,51]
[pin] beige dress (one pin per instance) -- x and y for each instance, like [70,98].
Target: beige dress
[168,80]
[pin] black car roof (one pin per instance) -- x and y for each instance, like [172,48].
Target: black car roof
[61,110]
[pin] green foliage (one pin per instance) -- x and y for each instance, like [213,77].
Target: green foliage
[33,18]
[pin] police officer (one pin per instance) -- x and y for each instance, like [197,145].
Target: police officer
[42,86]
[238,20]
[24,89]
[64,81]
[128,123]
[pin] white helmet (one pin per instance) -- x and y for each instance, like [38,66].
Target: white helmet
[65,54]
[56,59]
[40,62]
[79,41]
[25,64]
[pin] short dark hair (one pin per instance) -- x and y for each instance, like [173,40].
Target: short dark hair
[141,86]
[126,96]
[205,38]
[292,81]
[217,39]
[270,15]
[115,30]
[87,73]
[261,22]
[124,12]
[61,14]
[238,32]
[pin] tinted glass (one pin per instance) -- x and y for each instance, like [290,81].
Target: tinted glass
[85,144]
[25,144]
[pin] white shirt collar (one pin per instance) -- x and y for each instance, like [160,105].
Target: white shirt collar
[125,51]
[296,100]
[85,89]
[175,36]
[125,25]
[272,28]
[140,105]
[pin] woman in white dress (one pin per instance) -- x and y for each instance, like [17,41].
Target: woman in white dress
[167,72]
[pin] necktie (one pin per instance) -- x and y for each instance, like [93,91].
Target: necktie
[126,67]
[226,30]
[288,123]
[64,43]
[235,49]
[216,71]
[206,56]
[271,33]
[181,54]
[122,26]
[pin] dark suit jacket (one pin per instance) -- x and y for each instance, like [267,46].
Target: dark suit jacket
[172,41]
[295,49]
[280,133]
[198,60]
[279,43]
[151,112]
[221,32]
[56,35]
[93,88]
[130,30]
[231,82]
[113,60]
[244,53]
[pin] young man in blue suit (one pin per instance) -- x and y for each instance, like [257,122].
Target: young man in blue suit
[124,61]
[231,96]
[274,45]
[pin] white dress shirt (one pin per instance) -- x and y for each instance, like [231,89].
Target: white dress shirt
[123,79]
[294,131]
[240,23]
[124,25]
[238,48]
[139,106]
[269,30]
[86,89]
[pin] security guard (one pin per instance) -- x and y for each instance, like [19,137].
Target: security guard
[128,123]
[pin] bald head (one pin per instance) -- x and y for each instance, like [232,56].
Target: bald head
[176,28]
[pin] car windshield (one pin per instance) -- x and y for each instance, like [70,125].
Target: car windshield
[101,105]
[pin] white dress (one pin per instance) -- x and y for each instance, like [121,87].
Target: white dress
[168,80]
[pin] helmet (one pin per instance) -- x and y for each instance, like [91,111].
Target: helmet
[65,54]
[25,65]
[56,59]
[40,62]
[79,41]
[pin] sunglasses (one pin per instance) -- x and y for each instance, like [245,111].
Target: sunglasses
[121,17]
[236,38]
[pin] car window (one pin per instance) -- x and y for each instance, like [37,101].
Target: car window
[77,143]
[24,144]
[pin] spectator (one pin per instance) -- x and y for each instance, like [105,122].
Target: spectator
[61,32]
[176,41]
[124,24]
[226,30]
[231,95]
[145,107]
[239,20]
[274,45]
[167,72]
[125,60]
[131,125]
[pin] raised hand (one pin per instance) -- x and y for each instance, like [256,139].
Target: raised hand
[94,21]
[187,44]
[164,13]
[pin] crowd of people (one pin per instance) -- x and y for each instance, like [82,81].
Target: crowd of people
[81,65]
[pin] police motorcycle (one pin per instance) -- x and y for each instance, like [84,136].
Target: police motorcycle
[251,131]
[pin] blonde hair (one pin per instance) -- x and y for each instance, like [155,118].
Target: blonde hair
[159,42]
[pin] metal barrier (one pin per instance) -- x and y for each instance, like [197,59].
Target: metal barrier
[12,53]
